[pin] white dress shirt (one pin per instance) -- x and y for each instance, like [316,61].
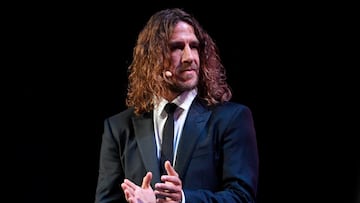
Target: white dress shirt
[184,102]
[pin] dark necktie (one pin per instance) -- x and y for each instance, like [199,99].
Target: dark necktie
[168,137]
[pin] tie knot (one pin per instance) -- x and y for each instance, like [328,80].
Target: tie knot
[170,108]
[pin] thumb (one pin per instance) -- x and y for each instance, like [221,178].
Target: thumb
[170,170]
[146,180]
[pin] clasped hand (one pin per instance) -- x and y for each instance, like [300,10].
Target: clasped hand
[169,191]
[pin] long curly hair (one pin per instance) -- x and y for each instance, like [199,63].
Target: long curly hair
[151,57]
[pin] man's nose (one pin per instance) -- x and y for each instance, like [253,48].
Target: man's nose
[187,56]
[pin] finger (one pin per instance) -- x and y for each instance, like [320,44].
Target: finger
[123,186]
[127,195]
[170,170]
[146,180]
[159,200]
[126,188]
[130,184]
[132,200]
[168,197]
[166,187]
[171,179]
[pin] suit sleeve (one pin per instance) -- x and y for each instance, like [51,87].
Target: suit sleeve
[110,170]
[238,159]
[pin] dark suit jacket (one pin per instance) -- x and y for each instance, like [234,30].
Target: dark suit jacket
[217,158]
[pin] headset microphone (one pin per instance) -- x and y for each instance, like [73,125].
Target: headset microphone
[168,73]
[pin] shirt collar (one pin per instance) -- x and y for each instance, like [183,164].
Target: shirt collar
[183,101]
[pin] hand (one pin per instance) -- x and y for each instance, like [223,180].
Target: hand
[136,194]
[171,189]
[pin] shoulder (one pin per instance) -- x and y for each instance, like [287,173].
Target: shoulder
[231,107]
[126,116]
[229,111]
[121,117]
[226,108]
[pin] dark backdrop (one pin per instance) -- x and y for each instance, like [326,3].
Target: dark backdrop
[69,65]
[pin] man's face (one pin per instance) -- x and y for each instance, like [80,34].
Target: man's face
[185,60]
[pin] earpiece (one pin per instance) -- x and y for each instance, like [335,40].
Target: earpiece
[168,73]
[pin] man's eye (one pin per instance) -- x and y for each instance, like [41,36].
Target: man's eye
[194,46]
[175,47]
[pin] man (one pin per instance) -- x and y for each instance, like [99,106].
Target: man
[214,156]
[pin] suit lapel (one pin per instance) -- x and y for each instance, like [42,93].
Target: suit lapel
[145,137]
[193,127]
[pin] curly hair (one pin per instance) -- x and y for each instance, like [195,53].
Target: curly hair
[151,56]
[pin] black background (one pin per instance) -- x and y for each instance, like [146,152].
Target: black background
[67,64]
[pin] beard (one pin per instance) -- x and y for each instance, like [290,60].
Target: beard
[180,86]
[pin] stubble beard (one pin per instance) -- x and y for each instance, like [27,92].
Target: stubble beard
[180,87]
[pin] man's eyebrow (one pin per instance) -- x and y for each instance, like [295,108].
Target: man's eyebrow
[193,42]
